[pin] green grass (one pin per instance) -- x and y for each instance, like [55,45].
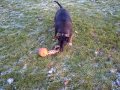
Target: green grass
[26,26]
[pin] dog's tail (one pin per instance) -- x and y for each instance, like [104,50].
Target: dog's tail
[58,4]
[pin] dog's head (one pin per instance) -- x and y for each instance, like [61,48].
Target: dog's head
[62,40]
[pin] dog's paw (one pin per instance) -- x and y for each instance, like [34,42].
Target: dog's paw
[70,44]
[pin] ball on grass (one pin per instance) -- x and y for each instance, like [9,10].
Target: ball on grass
[43,52]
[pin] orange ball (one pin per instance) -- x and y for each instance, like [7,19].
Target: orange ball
[43,52]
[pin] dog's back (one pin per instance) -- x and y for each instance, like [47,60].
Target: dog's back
[62,20]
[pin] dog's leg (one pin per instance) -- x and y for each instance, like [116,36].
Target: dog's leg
[70,40]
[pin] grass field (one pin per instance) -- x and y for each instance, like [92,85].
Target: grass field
[92,63]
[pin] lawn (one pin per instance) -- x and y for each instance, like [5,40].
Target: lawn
[92,63]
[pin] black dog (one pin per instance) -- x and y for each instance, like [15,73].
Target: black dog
[63,27]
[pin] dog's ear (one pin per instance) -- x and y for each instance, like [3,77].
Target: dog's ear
[67,35]
[58,34]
